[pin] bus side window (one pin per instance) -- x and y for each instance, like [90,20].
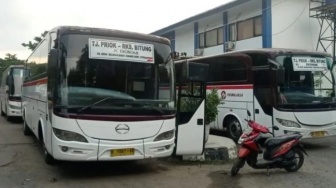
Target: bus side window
[53,41]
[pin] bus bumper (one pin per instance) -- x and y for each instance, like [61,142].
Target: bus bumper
[103,150]
[14,112]
[312,133]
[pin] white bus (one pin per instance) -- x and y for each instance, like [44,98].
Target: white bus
[10,91]
[101,95]
[292,89]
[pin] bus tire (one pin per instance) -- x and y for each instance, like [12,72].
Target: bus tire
[48,159]
[233,128]
[26,129]
[2,113]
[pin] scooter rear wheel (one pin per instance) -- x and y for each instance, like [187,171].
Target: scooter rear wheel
[237,166]
[299,156]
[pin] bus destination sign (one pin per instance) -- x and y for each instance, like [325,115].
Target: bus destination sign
[121,50]
[309,64]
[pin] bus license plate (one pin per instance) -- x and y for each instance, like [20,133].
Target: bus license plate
[317,134]
[122,152]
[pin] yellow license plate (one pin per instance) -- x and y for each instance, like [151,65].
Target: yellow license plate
[317,134]
[122,152]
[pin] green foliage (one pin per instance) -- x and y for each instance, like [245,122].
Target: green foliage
[212,101]
[189,104]
[10,59]
[32,45]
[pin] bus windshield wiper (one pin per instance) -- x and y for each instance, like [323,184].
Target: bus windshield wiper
[145,105]
[93,104]
[327,102]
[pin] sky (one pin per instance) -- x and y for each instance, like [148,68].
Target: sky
[22,20]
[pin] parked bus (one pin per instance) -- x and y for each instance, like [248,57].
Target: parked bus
[95,95]
[293,89]
[10,91]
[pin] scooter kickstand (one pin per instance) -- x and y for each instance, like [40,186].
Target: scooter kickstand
[267,172]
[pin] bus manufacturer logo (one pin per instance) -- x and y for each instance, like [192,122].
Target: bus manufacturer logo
[223,94]
[122,129]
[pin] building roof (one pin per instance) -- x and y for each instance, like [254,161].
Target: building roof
[202,15]
[111,33]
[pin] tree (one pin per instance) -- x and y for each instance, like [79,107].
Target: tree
[10,59]
[32,45]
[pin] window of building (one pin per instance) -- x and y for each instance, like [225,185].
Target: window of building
[211,38]
[232,32]
[220,35]
[257,26]
[201,40]
[246,29]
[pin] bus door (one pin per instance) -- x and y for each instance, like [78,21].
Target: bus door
[263,95]
[190,120]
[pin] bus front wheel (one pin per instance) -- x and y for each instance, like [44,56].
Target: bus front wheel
[233,128]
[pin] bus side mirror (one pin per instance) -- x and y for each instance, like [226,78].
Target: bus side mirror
[280,75]
[53,57]
[7,80]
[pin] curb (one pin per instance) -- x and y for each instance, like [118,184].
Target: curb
[217,148]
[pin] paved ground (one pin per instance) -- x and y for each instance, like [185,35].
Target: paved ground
[21,165]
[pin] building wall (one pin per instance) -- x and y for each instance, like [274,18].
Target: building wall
[292,27]
[184,39]
[286,24]
[207,24]
[243,12]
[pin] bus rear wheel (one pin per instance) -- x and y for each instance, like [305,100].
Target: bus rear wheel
[233,129]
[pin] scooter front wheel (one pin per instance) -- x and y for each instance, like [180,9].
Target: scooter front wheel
[239,163]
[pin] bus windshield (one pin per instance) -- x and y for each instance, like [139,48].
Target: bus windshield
[17,75]
[309,81]
[106,86]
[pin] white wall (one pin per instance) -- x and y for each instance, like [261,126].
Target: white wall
[184,39]
[251,43]
[292,27]
[245,11]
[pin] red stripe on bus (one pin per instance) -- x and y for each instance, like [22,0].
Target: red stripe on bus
[221,87]
[36,82]
[230,87]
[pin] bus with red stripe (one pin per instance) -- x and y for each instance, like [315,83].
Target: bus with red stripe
[293,89]
[93,95]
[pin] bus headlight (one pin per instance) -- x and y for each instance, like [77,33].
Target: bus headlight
[69,136]
[165,136]
[288,123]
[15,107]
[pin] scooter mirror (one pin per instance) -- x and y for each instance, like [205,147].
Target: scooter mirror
[275,127]
[248,113]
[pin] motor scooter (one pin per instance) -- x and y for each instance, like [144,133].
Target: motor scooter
[279,152]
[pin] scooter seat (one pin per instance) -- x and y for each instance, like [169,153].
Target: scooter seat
[276,141]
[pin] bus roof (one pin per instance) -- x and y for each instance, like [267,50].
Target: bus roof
[111,33]
[270,52]
[14,66]
[278,51]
